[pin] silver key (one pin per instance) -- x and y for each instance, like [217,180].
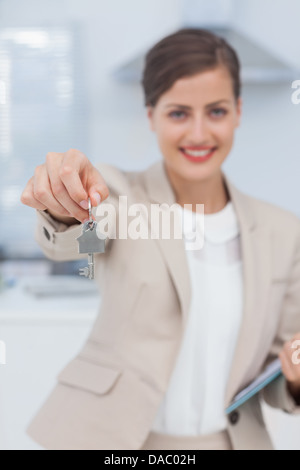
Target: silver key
[89,243]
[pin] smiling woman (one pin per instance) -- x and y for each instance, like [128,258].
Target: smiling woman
[194,106]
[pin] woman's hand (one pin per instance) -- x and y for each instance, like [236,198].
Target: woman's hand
[62,186]
[290,363]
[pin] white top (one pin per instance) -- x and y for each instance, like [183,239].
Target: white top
[195,399]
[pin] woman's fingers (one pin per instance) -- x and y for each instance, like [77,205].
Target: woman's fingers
[72,172]
[287,366]
[65,188]
[63,184]
[28,198]
[82,179]
[97,188]
[43,193]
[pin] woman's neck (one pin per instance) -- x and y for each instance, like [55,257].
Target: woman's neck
[211,192]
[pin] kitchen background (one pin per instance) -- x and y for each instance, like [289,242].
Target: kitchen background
[69,78]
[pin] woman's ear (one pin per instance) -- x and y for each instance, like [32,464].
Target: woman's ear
[150,117]
[239,104]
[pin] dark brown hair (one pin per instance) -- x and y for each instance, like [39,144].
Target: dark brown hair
[184,53]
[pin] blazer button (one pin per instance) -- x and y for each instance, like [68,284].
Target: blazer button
[46,233]
[234,417]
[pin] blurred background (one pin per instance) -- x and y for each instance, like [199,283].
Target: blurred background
[70,75]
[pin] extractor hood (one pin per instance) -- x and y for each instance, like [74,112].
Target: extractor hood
[258,64]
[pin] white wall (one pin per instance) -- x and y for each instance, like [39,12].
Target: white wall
[266,159]
[274,23]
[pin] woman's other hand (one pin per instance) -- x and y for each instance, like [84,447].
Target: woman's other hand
[290,363]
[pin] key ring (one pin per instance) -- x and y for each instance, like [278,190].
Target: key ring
[90,209]
[91,222]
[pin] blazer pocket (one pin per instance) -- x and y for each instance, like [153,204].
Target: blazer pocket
[95,378]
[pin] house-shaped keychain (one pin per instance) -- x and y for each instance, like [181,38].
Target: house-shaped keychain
[89,242]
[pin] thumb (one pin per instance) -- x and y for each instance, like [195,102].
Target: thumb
[97,188]
[98,193]
[95,196]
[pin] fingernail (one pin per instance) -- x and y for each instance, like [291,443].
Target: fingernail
[97,197]
[84,205]
[85,220]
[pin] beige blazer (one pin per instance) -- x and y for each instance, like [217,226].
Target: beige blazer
[108,395]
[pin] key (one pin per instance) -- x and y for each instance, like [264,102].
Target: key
[90,243]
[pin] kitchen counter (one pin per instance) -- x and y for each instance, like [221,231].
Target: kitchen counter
[19,304]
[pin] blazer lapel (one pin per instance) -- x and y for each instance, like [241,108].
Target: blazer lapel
[173,251]
[256,258]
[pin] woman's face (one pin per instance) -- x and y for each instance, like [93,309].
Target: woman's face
[199,112]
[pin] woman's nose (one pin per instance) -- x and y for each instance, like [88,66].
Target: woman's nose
[199,132]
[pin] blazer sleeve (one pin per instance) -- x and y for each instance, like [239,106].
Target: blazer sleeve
[276,394]
[58,240]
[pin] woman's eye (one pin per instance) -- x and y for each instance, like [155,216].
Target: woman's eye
[173,113]
[218,112]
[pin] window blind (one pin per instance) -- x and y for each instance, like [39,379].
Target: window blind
[43,108]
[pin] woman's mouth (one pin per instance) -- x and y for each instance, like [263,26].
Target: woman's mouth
[198,156]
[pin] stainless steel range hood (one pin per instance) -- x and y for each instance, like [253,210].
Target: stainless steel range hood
[258,64]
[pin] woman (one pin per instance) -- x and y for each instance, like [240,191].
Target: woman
[180,331]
